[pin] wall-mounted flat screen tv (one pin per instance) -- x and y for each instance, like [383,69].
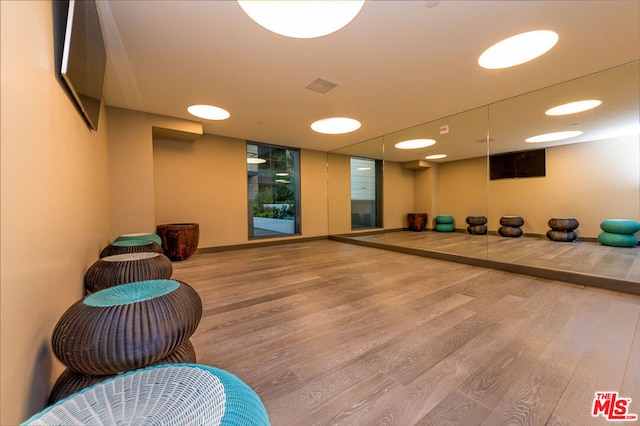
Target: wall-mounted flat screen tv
[84,58]
[522,164]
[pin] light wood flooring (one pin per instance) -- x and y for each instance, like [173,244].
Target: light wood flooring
[592,260]
[329,333]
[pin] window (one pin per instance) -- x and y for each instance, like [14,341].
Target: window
[274,190]
[365,193]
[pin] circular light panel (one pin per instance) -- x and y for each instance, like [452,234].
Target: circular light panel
[556,136]
[336,125]
[208,112]
[574,107]
[302,19]
[435,156]
[518,49]
[415,143]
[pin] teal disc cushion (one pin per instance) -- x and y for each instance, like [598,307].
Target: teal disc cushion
[444,219]
[620,226]
[140,236]
[617,240]
[444,227]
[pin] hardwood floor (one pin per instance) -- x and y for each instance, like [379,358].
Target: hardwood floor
[581,262]
[329,333]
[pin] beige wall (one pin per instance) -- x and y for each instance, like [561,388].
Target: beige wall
[462,190]
[131,165]
[205,181]
[397,199]
[339,193]
[588,181]
[54,206]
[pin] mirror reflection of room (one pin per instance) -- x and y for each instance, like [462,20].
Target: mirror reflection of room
[519,157]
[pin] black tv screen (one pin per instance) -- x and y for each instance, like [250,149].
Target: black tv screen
[84,58]
[522,164]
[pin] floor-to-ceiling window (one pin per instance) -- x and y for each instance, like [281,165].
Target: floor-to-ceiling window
[274,190]
[365,193]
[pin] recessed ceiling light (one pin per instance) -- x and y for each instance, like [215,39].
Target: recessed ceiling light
[518,49]
[254,160]
[302,19]
[573,107]
[556,136]
[282,174]
[435,156]
[415,143]
[335,125]
[208,112]
[363,169]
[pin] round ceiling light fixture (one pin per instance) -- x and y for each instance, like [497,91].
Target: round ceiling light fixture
[335,125]
[435,156]
[208,112]
[302,19]
[518,49]
[555,136]
[415,143]
[573,107]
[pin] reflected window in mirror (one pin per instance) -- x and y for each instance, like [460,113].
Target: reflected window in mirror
[366,194]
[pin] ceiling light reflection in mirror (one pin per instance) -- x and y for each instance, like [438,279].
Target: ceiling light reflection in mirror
[554,136]
[518,49]
[302,19]
[574,107]
[415,143]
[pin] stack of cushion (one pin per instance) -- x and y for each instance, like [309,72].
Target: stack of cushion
[477,225]
[562,229]
[444,224]
[510,226]
[619,232]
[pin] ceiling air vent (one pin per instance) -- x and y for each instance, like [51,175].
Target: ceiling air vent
[321,86]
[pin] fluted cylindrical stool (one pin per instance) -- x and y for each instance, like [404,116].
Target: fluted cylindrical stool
[562,229]
[444,223]
[126,268]
[185,394]
[510,226]
[131,246]
[140,236]
[126,327]
[70,382]
[619,232]
[477,225]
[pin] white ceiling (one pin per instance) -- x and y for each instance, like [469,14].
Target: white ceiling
[397,64]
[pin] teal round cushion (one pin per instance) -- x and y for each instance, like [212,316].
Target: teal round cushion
[140,236]
[620,226]
[618,240]
[444,227]
[444,219]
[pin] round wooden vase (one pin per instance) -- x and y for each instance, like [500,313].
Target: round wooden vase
[179,240]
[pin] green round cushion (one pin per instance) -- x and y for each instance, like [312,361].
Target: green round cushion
[444,227]
[620,226]
[444,219]
[618,240]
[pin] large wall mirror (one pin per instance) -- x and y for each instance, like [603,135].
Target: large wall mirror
[591,176]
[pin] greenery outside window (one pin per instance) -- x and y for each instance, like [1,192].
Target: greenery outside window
[273,190]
